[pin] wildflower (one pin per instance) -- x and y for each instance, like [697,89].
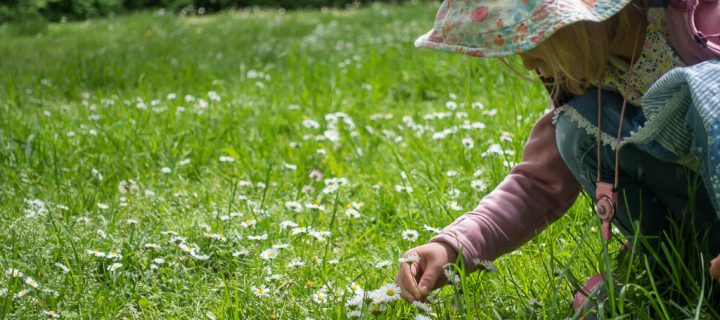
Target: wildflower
[35,208]
[21,293]
[351,212]
[127,186]
[261,291]
[216,236]
[281,246]
[478,185]
[356,301]
[113,255]
[389,292]
[468,143]
[432,229]
[422,317]
[287,224]
[226,159]
[51,314]
[241,252]
[269,254]
[102,206]
[377,308]
[485,264]
[410,235]
[263,236]
[451,105]
[248,223]
[477,105]
[15,273]
[96,253]
[455,206]
[165,170]
[114,266]
[319,297]
[311,124]
[451,173]
[422,306]
[410,259]
[31,282]
[297,262]
[294,206]
[355,288]
[62,267]
[201,257]
[382,264]
[152,246]
[299,230]
[316,175]
[289,166]
[354,314]
[184,162]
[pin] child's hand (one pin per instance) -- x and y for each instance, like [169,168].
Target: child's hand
[416,280]
[715,268]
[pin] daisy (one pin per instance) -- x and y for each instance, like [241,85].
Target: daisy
[62,267]
[297,262]
[287,224]
[96,253]
[422,317]
[410,235]
[51,314]
[226,159]
[377,308]
[263,236]
[431,229]
[389,292]
[102,206]
[468,143]
[354,314]
[241,252]
[114,266]
[410,259]
[269,254]
[319,297]
[152,246]
[422,306]
[31,282]
[113,255]
[248,223]
[382,264]
[158,260]
[261,291]
[294,206]
[351,212]
[478,185]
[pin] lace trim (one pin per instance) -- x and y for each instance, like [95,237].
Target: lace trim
[582,123]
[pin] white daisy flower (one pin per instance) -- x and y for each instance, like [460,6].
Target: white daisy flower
[31,282]
[102,206]
[115,254]
[269,254]
[468,143]
[422,306]
[354,314]
[351,212]
[319,297]
[114,266]
[389,292]
[422,317]
[261,291]
[226,159]
[410,235]
[297,262]
[410,259]
[241,252]
[383,264]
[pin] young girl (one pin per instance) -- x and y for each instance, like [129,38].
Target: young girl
[603,56]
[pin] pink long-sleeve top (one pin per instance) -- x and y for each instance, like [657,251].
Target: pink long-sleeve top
[536,192]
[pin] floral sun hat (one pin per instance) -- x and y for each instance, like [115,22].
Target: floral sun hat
[497,28]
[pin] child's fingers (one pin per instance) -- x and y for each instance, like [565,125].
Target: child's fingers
[715,268]
[406,281]
[428,281]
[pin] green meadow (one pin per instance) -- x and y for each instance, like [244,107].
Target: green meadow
[265,164]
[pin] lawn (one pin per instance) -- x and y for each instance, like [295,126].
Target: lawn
[262,164]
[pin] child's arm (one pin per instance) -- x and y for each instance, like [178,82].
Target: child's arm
[535,193]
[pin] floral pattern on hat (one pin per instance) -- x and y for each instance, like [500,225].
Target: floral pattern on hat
[496,28]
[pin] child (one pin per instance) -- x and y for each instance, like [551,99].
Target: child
[600,55]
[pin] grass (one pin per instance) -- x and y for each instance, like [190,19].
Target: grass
[174,141]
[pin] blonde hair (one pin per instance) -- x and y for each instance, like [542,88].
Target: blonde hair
[591,42]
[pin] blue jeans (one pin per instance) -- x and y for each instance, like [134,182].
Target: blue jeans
[655,193]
